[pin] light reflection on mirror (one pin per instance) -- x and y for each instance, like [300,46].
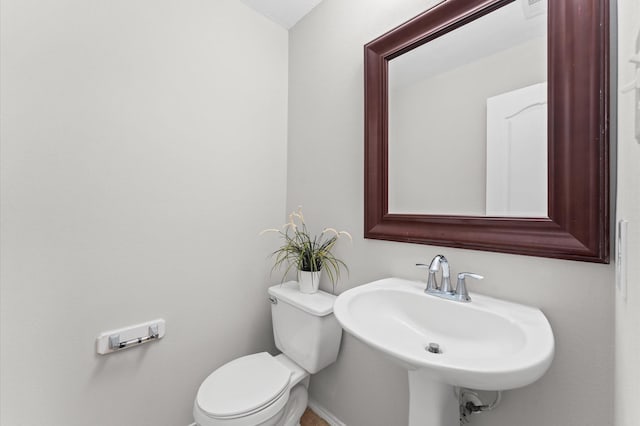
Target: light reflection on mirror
[468,119]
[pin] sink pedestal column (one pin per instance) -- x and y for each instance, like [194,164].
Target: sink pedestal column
[431,403]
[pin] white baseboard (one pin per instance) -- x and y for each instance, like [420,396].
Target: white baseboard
[325,414]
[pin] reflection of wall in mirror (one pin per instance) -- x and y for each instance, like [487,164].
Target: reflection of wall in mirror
[437,129]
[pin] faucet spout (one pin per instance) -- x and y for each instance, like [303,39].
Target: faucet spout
[445,287]
[437,262]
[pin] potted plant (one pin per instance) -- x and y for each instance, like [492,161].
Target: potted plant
[310,255]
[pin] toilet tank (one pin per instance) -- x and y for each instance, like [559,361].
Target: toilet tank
[304,327]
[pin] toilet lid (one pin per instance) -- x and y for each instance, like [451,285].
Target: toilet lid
[242,386]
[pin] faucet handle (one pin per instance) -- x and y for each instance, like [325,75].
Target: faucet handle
[461,288]
[432,284]
[463,275]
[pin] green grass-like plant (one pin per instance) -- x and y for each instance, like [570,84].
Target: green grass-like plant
[306,252]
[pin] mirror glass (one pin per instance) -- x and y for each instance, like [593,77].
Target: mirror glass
[467,118]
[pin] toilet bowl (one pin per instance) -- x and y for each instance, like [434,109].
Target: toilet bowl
[257,389]
[265,390]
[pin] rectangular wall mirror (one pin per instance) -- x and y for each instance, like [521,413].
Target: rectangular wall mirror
[486,127]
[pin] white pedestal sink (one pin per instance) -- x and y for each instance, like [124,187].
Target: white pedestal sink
[486,344]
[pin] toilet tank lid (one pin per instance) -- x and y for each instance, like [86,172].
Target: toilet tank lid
[318,304]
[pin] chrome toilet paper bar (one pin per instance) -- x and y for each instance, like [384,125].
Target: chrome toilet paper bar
[115,343]
[131,336]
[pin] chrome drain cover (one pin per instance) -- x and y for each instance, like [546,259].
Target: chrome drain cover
[434,348]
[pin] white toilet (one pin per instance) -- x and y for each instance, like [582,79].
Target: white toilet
[263,390]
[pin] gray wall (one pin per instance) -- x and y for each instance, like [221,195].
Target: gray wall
[143,150]
[627,377]
[325,175]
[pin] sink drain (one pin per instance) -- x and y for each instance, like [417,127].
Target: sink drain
[434,348]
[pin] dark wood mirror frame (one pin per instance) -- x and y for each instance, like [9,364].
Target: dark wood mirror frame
[578,138]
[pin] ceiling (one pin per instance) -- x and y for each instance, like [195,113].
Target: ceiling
[283,12]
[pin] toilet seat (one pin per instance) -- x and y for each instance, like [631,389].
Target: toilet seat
[255,386]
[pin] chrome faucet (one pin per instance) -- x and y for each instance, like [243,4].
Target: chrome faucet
[445,290]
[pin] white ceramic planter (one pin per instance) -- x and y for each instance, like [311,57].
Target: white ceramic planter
[309,281]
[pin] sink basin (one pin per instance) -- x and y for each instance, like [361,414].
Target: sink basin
[486,344]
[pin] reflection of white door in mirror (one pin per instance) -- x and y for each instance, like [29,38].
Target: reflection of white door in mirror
[517,153]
